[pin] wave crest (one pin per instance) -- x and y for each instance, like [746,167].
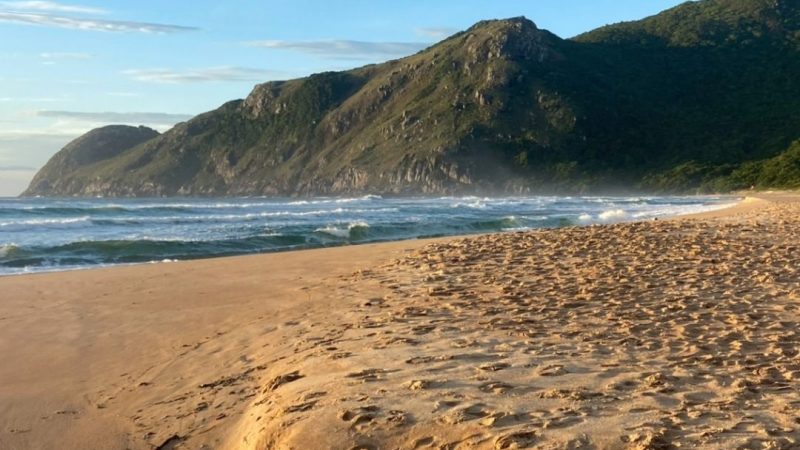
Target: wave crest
[612,214]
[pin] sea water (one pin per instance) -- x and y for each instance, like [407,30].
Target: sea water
[41,234]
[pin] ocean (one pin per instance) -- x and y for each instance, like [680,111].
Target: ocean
[41,234]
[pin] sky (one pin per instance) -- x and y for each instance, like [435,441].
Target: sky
[68,67]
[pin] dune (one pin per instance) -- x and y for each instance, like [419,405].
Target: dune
[643,335]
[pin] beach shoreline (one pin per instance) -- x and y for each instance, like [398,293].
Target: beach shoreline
[415,343]
[46,250]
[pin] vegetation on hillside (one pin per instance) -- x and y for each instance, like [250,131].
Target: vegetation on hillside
[781,171]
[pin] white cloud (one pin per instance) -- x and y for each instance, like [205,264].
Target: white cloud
[123,94]
[203,75]
[88,24]
[13,168]
[64,55]
[21,135]
[145,118]
[32,99]
[437,33]
[345,49]
[51,7]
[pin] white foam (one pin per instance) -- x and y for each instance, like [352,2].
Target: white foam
[325,211]
[294,213]
[476,204]
[334,231]
[45,221]
[166,238]
[224,205]
[341,231]
[240,217]
[536,218]
[517,229]
[335,200]
[612,214]
[705,208]
[585,217]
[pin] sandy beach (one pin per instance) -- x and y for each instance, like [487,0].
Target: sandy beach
[681,333]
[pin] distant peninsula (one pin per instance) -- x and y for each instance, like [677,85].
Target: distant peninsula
[703,97]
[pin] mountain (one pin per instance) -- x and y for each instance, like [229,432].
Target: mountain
[66,169]
[677,101]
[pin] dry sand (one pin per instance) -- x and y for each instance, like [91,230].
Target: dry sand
[649,335]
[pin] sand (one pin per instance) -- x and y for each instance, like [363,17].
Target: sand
[650,335]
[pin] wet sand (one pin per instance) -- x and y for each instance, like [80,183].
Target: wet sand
[645,335]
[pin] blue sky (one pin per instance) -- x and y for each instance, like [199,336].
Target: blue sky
[70,67]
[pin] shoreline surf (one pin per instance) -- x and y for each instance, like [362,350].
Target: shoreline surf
[45,235]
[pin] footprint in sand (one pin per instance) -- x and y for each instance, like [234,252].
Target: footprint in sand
[369,375]
[495,387]
[504,419]
[280,380]
[563,422]
[419,385]
[300,407]
[466,414]
[359,415]
[428,359]
[364,447]
[440,405]
[494,367]
[364,417]
[647,440]
[569,394]
[552,370]
[516,439]
[427,441]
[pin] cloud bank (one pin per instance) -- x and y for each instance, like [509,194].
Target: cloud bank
[344,49]
[64,55]
[203,75]
[117,117]
[90,24]
[13,168]
[58,15]
[51,7]
[437,33]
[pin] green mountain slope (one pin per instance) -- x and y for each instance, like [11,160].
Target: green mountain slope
[65,171]
[782,171]
[707,23]
[501,107]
